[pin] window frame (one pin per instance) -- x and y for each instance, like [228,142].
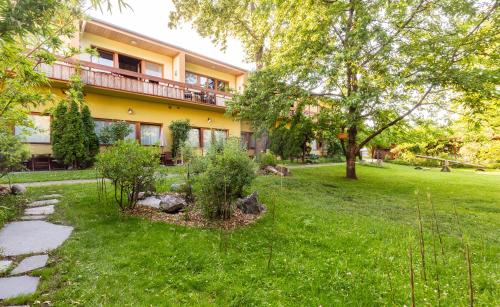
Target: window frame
[248,137]
[216,82]
[137,129]
[50,128]
[202,129]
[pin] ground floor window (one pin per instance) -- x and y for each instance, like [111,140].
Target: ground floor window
[204,137]
[145,133]
[194,137]
[39,133]
[247,140]
[150,134]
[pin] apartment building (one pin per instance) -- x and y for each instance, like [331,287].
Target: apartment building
[148,83]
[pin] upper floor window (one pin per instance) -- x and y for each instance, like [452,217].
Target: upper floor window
[103,57]
[40,133]
[191,78]
[207,82]
[153,69]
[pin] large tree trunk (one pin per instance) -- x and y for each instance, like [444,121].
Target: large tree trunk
[351,152]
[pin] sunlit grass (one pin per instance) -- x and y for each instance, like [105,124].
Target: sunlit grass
[336,242]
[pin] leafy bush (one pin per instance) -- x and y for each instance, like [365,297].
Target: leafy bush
[180,131]
[266,159]
[12,152]
[229,170]
[130,167]
[116,131]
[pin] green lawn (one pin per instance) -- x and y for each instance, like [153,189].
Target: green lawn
[66,175]
[335,242]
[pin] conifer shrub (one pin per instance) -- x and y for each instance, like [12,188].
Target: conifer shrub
[180,131]
[228,172]
[266,159]
[130,167]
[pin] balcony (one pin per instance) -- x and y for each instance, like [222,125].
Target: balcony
[102,76]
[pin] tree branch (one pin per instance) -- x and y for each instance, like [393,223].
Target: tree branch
[396,120]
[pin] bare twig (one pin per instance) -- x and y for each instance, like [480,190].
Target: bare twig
[421,237]
[412,278]
[469,274]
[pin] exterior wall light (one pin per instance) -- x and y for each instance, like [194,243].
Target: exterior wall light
[130,111]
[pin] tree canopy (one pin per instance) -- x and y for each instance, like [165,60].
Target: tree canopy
[372,64]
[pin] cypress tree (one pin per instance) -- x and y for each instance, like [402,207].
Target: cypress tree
[73,138]
[91,140]
[57,127]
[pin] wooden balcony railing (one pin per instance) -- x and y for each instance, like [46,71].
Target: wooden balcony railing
[129,81]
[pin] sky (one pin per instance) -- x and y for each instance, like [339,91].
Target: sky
[150,17]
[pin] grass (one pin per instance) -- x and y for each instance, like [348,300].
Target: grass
[66,175]
[335,242]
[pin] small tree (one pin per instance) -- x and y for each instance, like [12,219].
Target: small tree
[180,131]
[116,131]
[130,167]
[12,152]
[228,172]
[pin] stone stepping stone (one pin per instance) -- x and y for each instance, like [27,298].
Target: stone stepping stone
[30,264]
[32,237]
[33,217]
[11,287]
[50,196]
[5,265]
[39,210]
[151,201]
[45,202]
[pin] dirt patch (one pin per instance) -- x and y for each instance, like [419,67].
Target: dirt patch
[193,217]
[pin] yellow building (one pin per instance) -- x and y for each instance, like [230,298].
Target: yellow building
[148,83]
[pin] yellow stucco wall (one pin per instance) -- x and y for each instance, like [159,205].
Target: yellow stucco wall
[212,73]
[89,39]
[115,107]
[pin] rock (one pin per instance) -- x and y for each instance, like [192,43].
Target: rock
[250,204]
[31,237]
[418,167]
[44,202]
[17,189]
[273,170]
[177,187]
[15,286]
[50,196]
[151,201]
[30,264]
[4,190]
[284,170]
[171,203]
[141,195]
[40,210]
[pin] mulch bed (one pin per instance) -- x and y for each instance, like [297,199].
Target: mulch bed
[193,217]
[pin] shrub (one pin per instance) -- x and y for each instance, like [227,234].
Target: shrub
[266,159]
[229,170]
[12,152]
[116,131]
[180,131]
[130,167]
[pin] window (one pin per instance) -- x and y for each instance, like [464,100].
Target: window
[247,140]
[191,78]
[128,63]
[150,134]
[207,138]
[153,69]
[207,82]
[211,83]
[194,137]
[100,124]
[103,58]
[220,135]
[40,133]
[222,86]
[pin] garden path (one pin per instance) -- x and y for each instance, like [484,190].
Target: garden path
[26,242]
